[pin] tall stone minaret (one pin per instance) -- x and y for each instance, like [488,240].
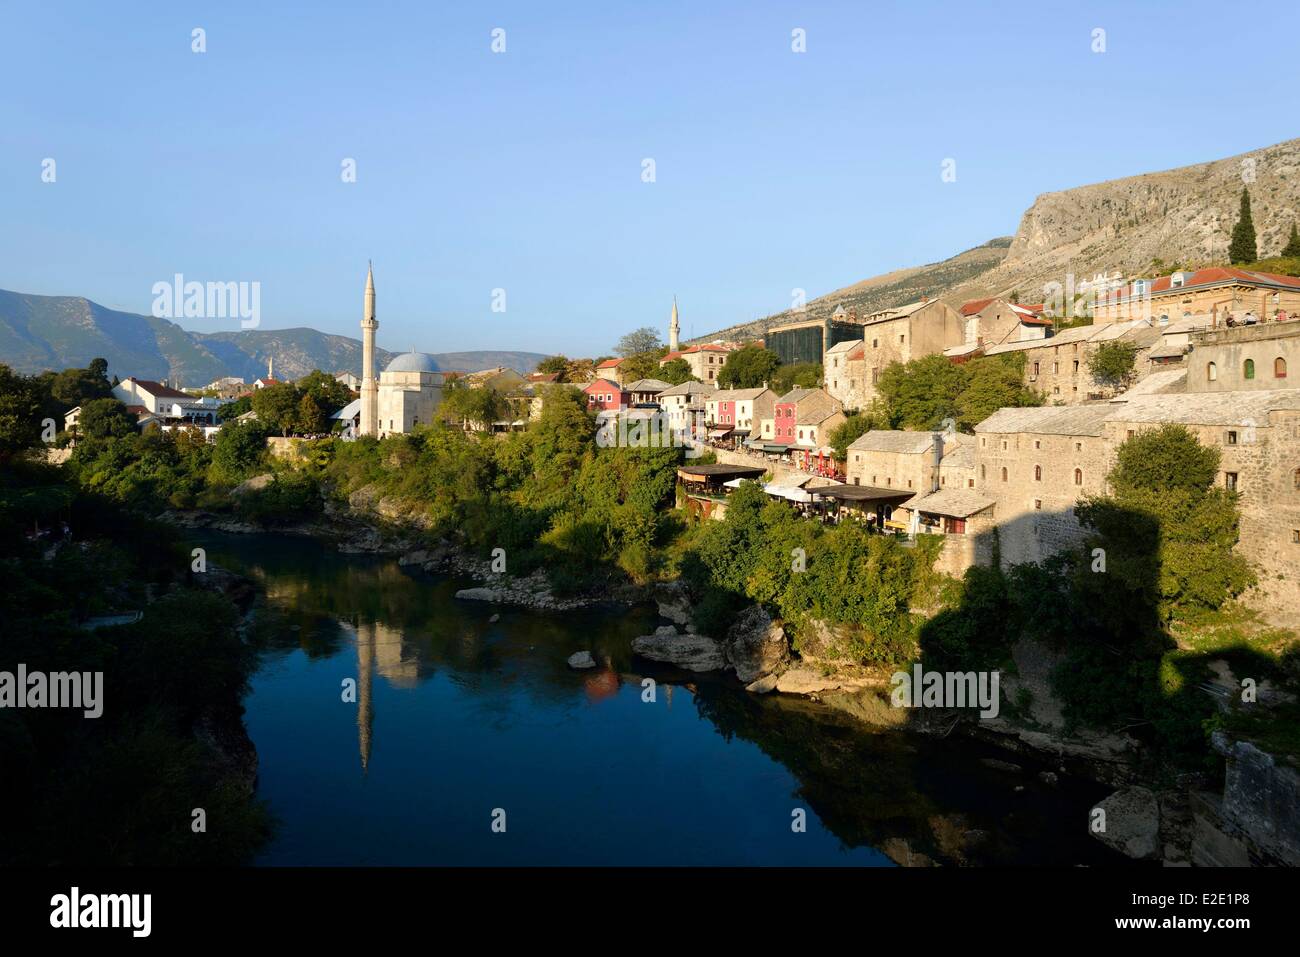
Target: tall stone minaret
[369,385]
[674,328]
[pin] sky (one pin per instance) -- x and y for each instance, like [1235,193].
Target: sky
[523,171]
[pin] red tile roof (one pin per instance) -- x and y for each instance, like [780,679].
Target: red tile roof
[1216,274]
[609,364]
[158,390]
[974,306]
[601,385]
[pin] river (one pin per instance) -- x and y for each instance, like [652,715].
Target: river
[469,741]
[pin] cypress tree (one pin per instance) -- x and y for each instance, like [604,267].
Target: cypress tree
[1292,247]
[1242,247]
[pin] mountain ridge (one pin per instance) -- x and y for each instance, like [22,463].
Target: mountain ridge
[58,332]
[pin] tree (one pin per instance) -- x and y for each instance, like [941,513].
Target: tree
[1242,248]
[476,408]
[1292,247]
[312,418]
[992,383]
[642,365]
[676,371]
[640,340]
[277,407]
[1163,482]
[554,365]
[748,368]
[239,451]
[922,393]
[105,419]
[20,412]
[1112,364]
[800,375]
[330,394]
[853,427]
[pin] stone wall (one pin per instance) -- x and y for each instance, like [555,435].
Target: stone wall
[1222,353]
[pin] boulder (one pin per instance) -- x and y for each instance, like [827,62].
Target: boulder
[691,652]
[478,594]
[756,645]
[674,602]
[804,681]
[581,659]
[666,630]
[763,685]
[255,484]
[1132,823]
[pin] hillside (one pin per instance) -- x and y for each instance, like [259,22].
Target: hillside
[1142,225]
[58,332]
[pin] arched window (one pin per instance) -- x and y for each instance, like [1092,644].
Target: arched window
[1297,478]
[1211,372]
[1248,370]
[1038,473]
[1279,368]
[1078,476]
[1004,474]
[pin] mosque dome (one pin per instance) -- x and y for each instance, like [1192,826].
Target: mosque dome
[413,362]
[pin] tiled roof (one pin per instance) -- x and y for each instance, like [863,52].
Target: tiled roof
[160,391]
[609,364]
[974,306]
[604,384]
[1165,380]
[648,385]
[1214,275]
[893,440]
[691,387]
[1206,408]
[952,502]
[958,456]
[736,395]
[1049,420]
[797,395]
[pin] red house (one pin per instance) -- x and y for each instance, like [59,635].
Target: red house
[606,396]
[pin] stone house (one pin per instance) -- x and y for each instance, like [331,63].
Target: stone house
[684,404]
[1219,291]
[1058,367]
[1244,358]
[705,361]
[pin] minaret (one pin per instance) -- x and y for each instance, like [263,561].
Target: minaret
[674,327]
[369,385]
[270,367]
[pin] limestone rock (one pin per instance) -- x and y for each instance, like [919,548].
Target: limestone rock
[674,602]
[581,659]
[804,681]
[255,484]
[692,652]
[1132,823]
[756,645]
[763,685]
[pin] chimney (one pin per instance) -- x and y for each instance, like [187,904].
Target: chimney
[936,460]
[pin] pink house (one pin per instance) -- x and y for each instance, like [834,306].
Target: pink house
[606,396]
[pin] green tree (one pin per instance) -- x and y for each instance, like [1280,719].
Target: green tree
[1163,479]
[638,341]
[330,394]
[312,417]
[676,371]
[1113,363]
[554,365]
[475,408]
[20,412]
[1292,247]
[800,375]
[643,365]
[922,393]
[1242,248]
[277,407]
[239,451]
[855,426]
[992,383]
[105,419]
[748,368]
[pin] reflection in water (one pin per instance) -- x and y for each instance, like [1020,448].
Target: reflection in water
[469,715]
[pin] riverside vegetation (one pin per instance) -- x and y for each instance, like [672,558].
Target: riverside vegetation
[1135,641]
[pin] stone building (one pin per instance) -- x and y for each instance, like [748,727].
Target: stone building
[995,321]
[895,459]
[844,374]
[1218,291]
[1244,358]
[802,406]
[684,405]
[1058,368]
[705,361]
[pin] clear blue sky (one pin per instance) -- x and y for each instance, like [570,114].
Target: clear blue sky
[522,170]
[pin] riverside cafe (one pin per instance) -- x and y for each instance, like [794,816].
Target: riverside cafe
[704,488]
[874,507]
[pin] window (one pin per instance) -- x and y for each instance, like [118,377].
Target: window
[1078,446]
[1004,474]
[1211,372]
[875,343]
[1248,370]
[902,339]
[1295,536]
[1038,473]
[1279,368]
[1038,444]
[856,481]
[1035,368]
[1230,438]
[1230,481]
[1078,476]
[1004,445]
[1056,367]
[1076,365]
[1297,478]
[970,483]
[984,472]
[1038,504]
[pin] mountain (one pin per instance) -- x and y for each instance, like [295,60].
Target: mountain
[59,332]
[1140,226]
[881,292]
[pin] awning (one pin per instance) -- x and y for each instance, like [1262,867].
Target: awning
[719,433]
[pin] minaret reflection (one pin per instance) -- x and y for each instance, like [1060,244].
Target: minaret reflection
[380,649]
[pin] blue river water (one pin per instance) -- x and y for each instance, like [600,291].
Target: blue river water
[398,725]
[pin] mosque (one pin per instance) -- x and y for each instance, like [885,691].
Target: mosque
[405,395]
